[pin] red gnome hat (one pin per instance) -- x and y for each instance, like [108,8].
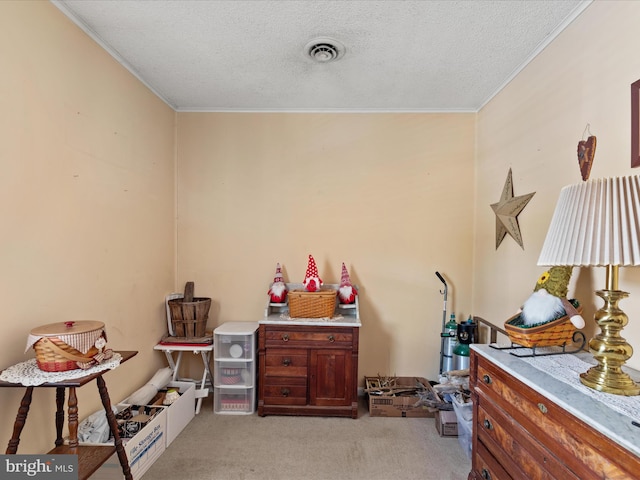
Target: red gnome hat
[346,292]
[278,277]
[278,290]
[312,282]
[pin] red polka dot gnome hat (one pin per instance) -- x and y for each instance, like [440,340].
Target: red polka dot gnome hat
[278,290]
[346,292]
[312,282]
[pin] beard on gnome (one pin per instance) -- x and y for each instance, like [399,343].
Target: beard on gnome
[278,292]
[541,307]
[312,284]
[347,294]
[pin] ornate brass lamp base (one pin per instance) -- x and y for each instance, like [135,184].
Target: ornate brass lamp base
[610,349]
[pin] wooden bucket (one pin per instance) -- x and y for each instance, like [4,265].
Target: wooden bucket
[189,315]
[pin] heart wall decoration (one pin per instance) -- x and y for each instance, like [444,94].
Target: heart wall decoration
[586,154]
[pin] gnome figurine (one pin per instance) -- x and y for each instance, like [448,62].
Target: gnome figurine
[346,292]
[278,290]
[549,299]
[312,282]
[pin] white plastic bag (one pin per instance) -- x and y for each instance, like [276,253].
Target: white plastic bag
[95,428]
[464,415]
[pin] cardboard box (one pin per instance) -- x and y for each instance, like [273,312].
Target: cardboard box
[447,423]
[182,411]
[400,406]
[142,450]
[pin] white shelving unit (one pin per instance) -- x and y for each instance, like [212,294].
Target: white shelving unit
[235,368]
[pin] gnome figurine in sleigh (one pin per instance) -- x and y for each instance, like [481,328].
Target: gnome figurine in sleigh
[547,317]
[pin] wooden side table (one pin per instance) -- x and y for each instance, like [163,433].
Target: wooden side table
[90,457]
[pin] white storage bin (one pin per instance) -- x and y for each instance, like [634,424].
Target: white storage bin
[235,368]
[235,374]
[235,342]
[464,415]
[234,400]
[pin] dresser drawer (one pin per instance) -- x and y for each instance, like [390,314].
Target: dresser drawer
[519,453]
[585,452]
[285,390]
[486,467]
[286,363]
[316,338]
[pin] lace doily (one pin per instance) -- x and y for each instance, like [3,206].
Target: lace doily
[285,316]
[28,374]
[567,368]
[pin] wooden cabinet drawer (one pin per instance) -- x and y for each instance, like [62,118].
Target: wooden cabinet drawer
[580,448]
[286,363]
[486,467]
[285,390]
[319,337]
[520,454]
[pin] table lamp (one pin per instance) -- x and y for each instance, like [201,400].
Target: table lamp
[597,224]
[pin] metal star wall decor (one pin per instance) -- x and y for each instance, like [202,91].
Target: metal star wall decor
[507,211]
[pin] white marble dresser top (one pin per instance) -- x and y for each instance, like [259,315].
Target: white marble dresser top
[594,412]
[335,322]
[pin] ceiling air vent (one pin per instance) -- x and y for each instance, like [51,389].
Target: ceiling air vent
[324,50]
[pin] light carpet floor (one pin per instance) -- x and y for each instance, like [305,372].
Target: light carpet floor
[248,447]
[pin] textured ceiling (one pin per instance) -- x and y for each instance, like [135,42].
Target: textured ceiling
[218,55]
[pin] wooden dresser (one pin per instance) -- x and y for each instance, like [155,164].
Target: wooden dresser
[308,366]
[531,425]
[308,370]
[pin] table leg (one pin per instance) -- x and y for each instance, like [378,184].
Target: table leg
[73,418]
[59,415]
[172,364]
[176,365]
[21,418]
[113,425]
[205,360]
[206,374]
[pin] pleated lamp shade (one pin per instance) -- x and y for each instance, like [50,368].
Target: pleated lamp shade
[595,223]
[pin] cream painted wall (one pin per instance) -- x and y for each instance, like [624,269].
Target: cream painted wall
[87,192]
[86,204]
[388,194]
[533,126]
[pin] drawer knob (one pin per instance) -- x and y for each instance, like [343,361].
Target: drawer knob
[542,408]
[285,337]
[487,424]
[331,338]
[485,474]
[286,362]
[486,379]
[285,392]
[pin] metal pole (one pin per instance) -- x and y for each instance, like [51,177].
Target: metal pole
[444,320]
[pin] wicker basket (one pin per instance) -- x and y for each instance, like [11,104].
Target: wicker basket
[59,346]
[189,315]
[320,304]
[555,333]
